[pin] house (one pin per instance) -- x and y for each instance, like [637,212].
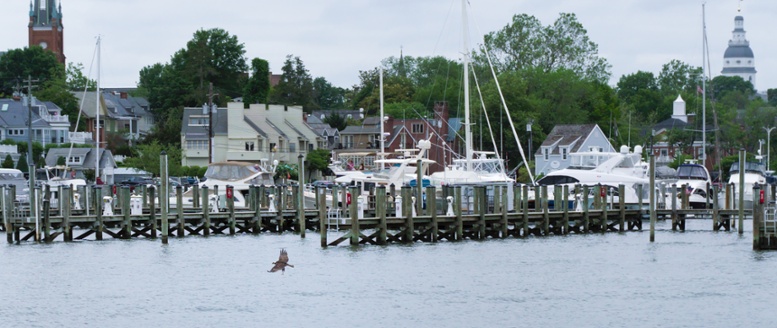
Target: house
[362,142]
[80,160]
[194,135]
[49,126]
[564,139]
[330,135]
[257,134]
[119,114]
[665,149]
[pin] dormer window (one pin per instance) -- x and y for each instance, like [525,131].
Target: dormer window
[74,160]
[564,153]
[546,153]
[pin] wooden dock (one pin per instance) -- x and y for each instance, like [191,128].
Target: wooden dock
[447,218]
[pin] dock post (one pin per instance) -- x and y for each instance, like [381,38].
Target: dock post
[7,218]
[586,215]
[205,211]
[380,212]
[640,200]
[707,199]
[457,210]
[301,210]
[231,208]
[65,201]
[419,208]
[355,233]
[195,196]
[407,213]
[98,210]
[503,208]
[674,206]
[47,221]
[431,207]
[758,214]
[125,211]
[525,207]
[516,197]
[257,219]
[622,207]
[538,197]
[322,218]
[715,209]
[152,214]
[280,199]
[741,190]
[545,206]
[480,192]
[652,196]
[556,198]
[179,211]
[603,204]
[565,220]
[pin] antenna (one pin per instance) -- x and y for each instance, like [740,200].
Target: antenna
[739,6]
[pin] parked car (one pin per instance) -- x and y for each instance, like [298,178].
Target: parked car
[322,183]
[138,181]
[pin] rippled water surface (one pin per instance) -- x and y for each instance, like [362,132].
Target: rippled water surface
[693,279]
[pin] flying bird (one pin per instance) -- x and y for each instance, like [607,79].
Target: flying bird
[282,263]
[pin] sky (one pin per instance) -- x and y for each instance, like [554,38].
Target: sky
[336,39]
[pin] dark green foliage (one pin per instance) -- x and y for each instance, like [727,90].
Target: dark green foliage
[258,85]
[8,162]
[317,160]
[21,165]
[61,161]
[296,85]
[19,64]
[336,121]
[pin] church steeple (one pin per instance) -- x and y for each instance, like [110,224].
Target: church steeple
[45,27]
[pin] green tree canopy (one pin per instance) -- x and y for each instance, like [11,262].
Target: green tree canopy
[19,64]
[296,85]
[8,162]
[258,85]
[525,43]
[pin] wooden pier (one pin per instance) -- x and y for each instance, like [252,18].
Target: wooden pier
[99,213]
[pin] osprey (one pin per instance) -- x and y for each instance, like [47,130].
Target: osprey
[282,263]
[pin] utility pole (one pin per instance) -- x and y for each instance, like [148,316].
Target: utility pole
[30,159]
[210,121]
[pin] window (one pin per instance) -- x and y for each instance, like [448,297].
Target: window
[417,128]
[249,145]
[310,147]
[403,141]
[563,153]
[74,160]
[664,152]
[272,147]
[292,147]
[259,144]
[102,124]
[197,120]
[347,141]
[546,153]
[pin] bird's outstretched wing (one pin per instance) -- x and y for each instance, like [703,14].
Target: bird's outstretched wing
[284,257]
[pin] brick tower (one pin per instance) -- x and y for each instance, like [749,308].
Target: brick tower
[45,28]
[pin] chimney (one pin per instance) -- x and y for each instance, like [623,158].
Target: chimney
[123,95]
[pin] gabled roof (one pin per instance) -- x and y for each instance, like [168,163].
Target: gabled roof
[321,128]
[566,135]
[255,127]
[360,129]
[87,155]
[14,114]
[301,135]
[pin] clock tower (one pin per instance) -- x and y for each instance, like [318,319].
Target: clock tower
[45,28]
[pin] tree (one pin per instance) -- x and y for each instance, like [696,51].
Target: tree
[771,96]
[336,121]
[317,160]
[76,81]
[677,77]
[296,85]
[525,43]
[327,96]
[641,90]
[21,165]
[56,90]
[258,85]
[721,85]
[8,162]
[61,161]
[19,64]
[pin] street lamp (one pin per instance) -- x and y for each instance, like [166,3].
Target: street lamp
[768,147]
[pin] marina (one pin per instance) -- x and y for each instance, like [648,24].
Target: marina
[380,219]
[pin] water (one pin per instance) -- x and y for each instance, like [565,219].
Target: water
[693,279]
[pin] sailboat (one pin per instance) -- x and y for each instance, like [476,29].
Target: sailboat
[476,168]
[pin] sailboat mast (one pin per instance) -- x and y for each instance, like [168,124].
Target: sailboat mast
[467,123]
[382,131]
[97,123]
[704,87]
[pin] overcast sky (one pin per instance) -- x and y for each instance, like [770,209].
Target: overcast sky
[337,38]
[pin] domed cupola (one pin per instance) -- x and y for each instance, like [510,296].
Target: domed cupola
[738,60]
